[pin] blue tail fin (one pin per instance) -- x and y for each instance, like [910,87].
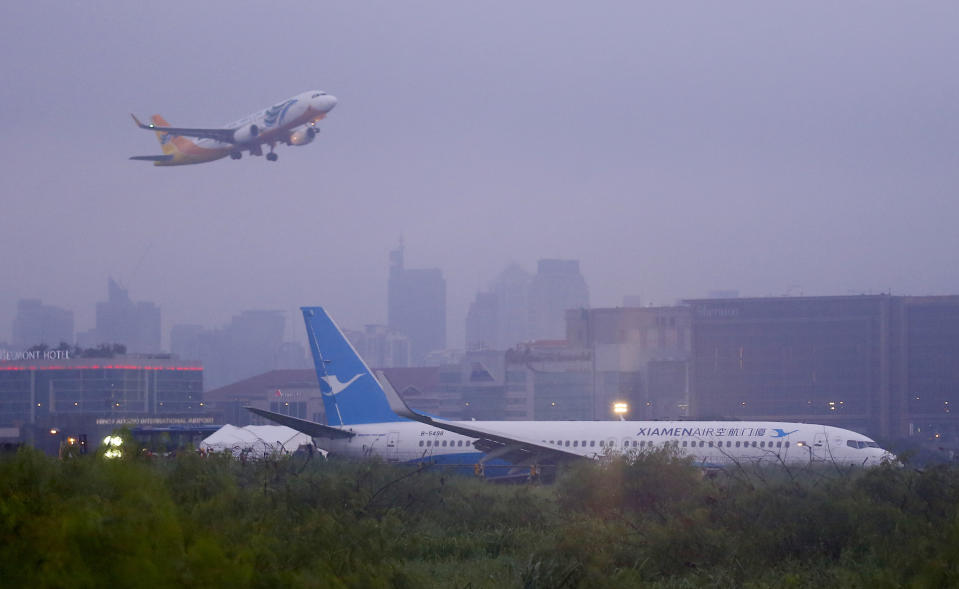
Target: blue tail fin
[351,394]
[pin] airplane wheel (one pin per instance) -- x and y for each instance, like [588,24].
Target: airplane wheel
[271,156]
[235,155]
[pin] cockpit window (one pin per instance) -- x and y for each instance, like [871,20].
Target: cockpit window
[318,94]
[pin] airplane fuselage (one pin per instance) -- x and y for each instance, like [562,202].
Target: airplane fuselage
[291,122]
[709,443]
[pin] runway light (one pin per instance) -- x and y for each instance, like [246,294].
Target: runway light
[53,431]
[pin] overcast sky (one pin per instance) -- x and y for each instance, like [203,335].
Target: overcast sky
[672,148]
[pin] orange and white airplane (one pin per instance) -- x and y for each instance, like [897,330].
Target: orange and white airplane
[292,122]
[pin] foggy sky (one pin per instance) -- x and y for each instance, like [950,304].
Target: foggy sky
[672,149]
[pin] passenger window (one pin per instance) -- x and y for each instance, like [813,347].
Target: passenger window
[421,442]
[459,443]
[567,443]
[429,442]
[779,444]
[684,443]
[702,444]
[601,443]
[710,443]
[584,443]
[754,443]
[444,443]
[737,443]
[592,443]
[762,444]
[576,443]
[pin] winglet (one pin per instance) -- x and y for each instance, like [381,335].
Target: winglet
[397,404]
[139,124]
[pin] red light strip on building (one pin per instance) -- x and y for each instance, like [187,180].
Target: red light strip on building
[106,367]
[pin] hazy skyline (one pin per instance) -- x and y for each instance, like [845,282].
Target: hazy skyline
[671,149]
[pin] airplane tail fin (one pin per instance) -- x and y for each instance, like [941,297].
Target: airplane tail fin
[351,394]
[165,139]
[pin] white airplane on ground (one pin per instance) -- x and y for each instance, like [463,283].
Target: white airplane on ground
[292,122]
[366,417]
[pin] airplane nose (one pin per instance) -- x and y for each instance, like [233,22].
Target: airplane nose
[329,102]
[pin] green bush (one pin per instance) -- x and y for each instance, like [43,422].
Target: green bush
[645,520]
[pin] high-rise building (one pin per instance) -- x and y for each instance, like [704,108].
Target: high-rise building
[512,297]
[557,287]
[185,341]
[37,323]
[499,318]
[121,321]
[482,322]
[381,346]
[416,306]
[880,364]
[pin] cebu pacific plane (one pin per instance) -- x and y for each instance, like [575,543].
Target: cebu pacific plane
[292,122]
[366,417]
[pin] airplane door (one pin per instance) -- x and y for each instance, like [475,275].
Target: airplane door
[392,446]
[819,452]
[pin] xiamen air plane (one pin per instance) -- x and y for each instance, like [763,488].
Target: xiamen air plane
[366,417]
[292,122]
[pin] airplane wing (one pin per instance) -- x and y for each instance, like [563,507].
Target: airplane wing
[222,135]
[152,158]
[494,444]
[310,428]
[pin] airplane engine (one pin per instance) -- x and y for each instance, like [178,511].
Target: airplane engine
[245,134]
[302,136]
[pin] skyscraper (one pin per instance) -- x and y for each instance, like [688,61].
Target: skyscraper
[121,321]
[416,306]
[557,286]
[482,321]
[37,323]
[499,319]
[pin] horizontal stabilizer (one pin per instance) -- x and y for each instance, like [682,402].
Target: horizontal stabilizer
[152,158]
[310,428]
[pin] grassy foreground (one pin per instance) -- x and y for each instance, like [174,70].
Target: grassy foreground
[643,521]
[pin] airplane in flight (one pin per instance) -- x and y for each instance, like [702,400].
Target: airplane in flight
[292,121]
[366,417]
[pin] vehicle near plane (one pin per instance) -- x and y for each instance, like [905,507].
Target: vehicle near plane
[366,417]
[292,121]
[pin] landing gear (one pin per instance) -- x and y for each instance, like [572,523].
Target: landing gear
[271,156]
[235,155]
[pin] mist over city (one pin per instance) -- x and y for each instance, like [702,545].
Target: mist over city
[448,294]
[672,150]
